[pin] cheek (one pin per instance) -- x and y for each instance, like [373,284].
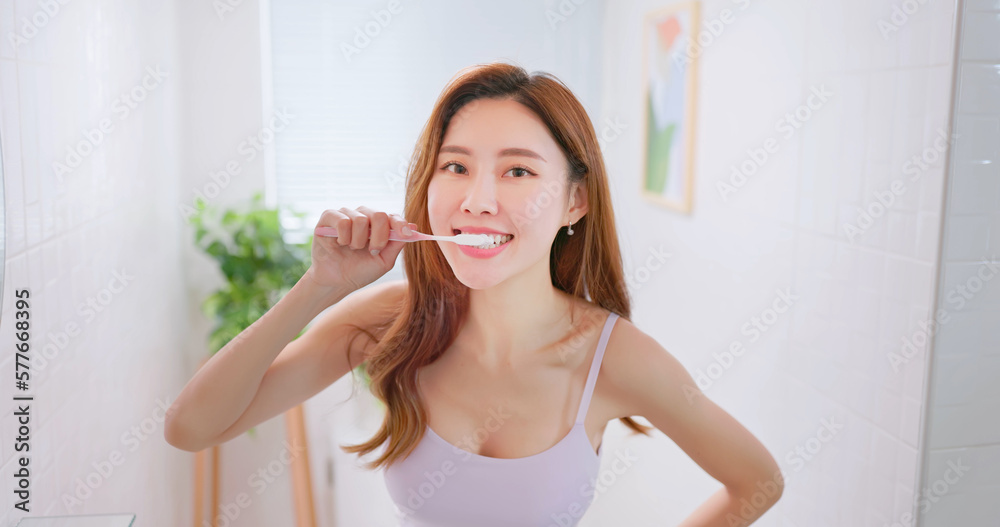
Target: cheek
[439,207]
[433,197]
[539,205]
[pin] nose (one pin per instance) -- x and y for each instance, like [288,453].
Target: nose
[480,195]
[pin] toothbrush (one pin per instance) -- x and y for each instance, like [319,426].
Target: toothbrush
[461,239]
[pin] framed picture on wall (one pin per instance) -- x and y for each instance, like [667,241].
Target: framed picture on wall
[669,67]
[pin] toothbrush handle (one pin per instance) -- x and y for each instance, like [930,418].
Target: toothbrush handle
[393,234]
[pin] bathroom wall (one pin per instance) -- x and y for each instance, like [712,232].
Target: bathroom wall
[961,480]
[103,247]
[833,387]
[88,104]
[828,384]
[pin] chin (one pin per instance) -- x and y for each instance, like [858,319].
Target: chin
[478,281]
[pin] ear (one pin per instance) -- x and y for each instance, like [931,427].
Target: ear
[577,202]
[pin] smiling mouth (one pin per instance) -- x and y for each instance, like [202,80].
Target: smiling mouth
[497,239]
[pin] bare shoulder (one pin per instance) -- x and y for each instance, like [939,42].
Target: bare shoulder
[639,373]
[376,297]
[371,308]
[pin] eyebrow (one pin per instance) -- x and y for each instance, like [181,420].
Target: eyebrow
[506,152]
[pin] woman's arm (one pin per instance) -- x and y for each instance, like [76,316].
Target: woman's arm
[244,384]
[646,380]
[222,390]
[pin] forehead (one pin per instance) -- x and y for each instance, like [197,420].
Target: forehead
[486,126]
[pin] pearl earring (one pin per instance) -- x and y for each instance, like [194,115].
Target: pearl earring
[570,230]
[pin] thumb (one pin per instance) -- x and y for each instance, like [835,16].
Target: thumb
[391,250]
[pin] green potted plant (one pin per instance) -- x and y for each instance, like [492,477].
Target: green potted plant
[258,265]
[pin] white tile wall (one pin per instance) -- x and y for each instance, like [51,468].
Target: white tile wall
[98,372]
[119,212]
[961,478]
[829,357]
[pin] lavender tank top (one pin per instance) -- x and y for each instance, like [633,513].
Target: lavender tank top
[442,485]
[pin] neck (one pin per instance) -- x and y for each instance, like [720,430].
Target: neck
[510,320]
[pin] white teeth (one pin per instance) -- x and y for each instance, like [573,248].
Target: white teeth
[497,240]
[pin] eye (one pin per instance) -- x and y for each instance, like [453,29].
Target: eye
[450,163]
[522,170]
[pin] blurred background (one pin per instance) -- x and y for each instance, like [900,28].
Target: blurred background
[850,261]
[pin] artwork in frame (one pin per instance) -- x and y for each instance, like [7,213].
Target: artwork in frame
[669,81]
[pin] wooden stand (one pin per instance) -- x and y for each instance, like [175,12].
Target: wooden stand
[199,486]
[199,482]
[302,496]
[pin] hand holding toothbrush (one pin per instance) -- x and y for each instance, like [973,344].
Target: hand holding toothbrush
[361,253]
[339,236]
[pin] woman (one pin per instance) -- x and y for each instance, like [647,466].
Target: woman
[483,356]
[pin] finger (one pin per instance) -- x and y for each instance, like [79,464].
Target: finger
[359,230]
[341,220]
[379,229]
[345,226]
[389,253]
[398,222]
[329,218]
[326,244]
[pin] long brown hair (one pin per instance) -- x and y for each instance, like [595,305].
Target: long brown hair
[588,263]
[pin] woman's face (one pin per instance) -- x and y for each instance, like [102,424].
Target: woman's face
[499,170]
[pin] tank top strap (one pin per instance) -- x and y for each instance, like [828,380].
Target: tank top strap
[595,366]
